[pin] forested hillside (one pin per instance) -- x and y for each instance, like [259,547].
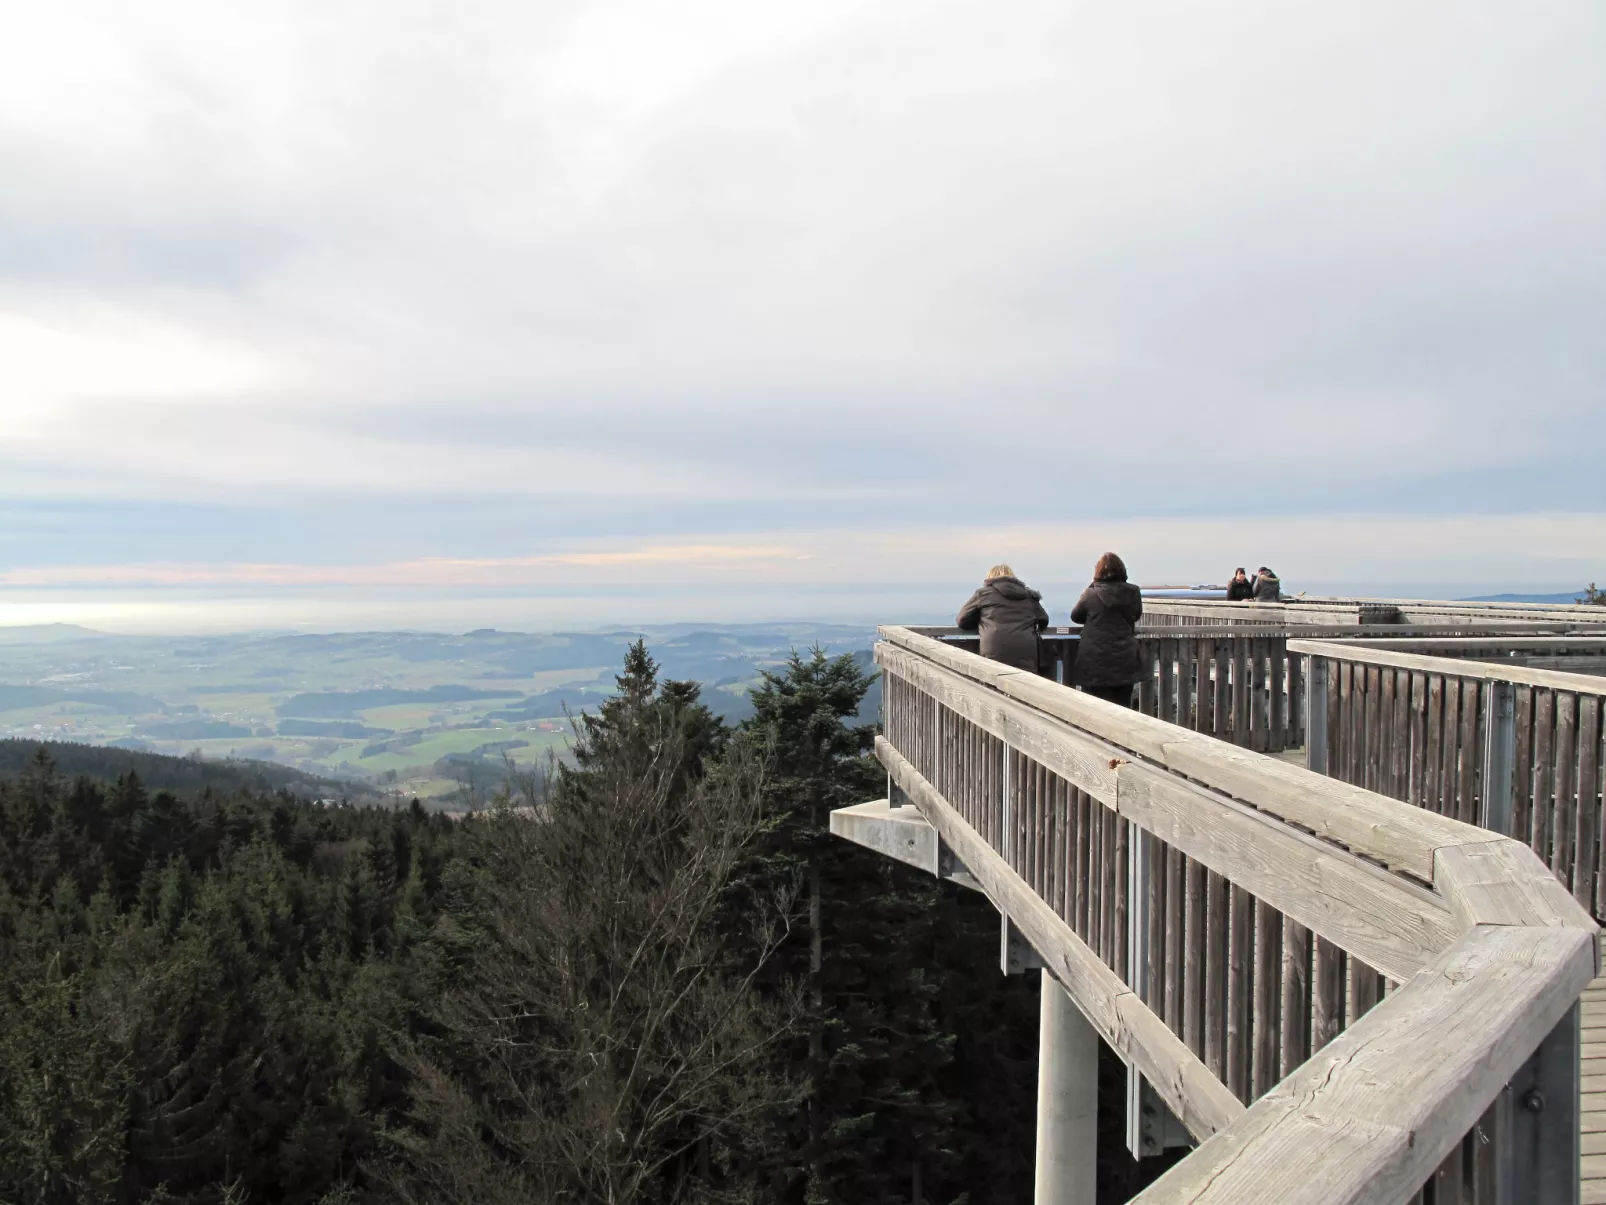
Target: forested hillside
[184,774]
[649,976]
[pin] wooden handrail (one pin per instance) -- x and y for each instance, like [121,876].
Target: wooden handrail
[1363,654]
[1356,819]
[1018,774]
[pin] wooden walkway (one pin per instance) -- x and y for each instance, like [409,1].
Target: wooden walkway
[1592,1085]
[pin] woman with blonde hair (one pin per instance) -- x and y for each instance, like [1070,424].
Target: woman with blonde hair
[1008,614]
[1107,663]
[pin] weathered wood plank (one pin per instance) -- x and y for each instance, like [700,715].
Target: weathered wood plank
[1296,1003]
[1327,991]
[1502,882]
[1370,1118]
[1385,921]
[1268,991]
[1215,976]
[1193,960]
[1433,755]
[1200,1101]
[1362,655]
[1240,969]
[1544,773]
[1176,936]
[1566,754]
[1471,751]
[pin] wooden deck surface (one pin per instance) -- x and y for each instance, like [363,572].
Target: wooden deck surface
[1592,1121]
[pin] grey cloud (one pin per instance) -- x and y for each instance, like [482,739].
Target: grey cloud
[1121,258]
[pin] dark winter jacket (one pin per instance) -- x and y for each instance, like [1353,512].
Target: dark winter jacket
[1108,613]
[1267,587]
[1009,615]
[1237,590]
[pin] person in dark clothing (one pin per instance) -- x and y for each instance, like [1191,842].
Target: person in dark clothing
[1008,614]
[1240,587]
[1266,586]
[1107,663]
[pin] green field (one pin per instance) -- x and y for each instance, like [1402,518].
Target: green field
[429,699]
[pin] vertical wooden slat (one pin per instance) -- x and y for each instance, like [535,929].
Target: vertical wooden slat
[1176,937]
[1484,1148]
[1240,690]
[1259,700]
[1083,858]
[1166,650]
[1544,738]
[1450,750]
[1121,932]
[1471,750]
[1186,684]
[1221,688]
[1419,732]
[1149,665]
[1431,798]
[1449,1184]
[1335,721]
[1522,786]
[1215,1001]
[1371,719]
[1296,1005]
[1203,717]
[1156,916]
[1404,723]
[1240,969]
[1386,741]
[1278,697]
[1294,733]
[1342,754]
[1095,876]
[1193,968]
[1366,989]
[1268,985]
[1327,989]
[1566,753]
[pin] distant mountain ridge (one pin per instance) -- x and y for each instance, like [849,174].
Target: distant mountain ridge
[1572,596]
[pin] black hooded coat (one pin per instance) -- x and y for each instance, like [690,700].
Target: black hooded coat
[1008,614]
[1108,652]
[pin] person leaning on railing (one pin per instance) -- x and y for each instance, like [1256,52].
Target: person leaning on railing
[1240,588]
[1266,586]
[1008,614]
[1107,664]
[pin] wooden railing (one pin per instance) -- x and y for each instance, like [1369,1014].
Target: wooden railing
[1234,684]
[1569,654]
[1333,991]
[1517,750]
[1472,618]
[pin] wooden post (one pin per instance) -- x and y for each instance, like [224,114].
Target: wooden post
[1499,756]
[1537,1123]
[1316,671]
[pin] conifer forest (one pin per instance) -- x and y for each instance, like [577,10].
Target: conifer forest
[646,975]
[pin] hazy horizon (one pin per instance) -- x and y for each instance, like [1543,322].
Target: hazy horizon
[820,604]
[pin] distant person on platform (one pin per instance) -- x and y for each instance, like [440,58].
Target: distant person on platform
[1008,614]
[1107,663]
[1240,588]
[1266,586]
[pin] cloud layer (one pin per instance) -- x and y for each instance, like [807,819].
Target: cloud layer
[360,284]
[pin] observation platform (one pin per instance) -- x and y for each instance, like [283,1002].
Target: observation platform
[1370,977]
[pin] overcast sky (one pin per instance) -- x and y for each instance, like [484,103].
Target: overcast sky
[541,295]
